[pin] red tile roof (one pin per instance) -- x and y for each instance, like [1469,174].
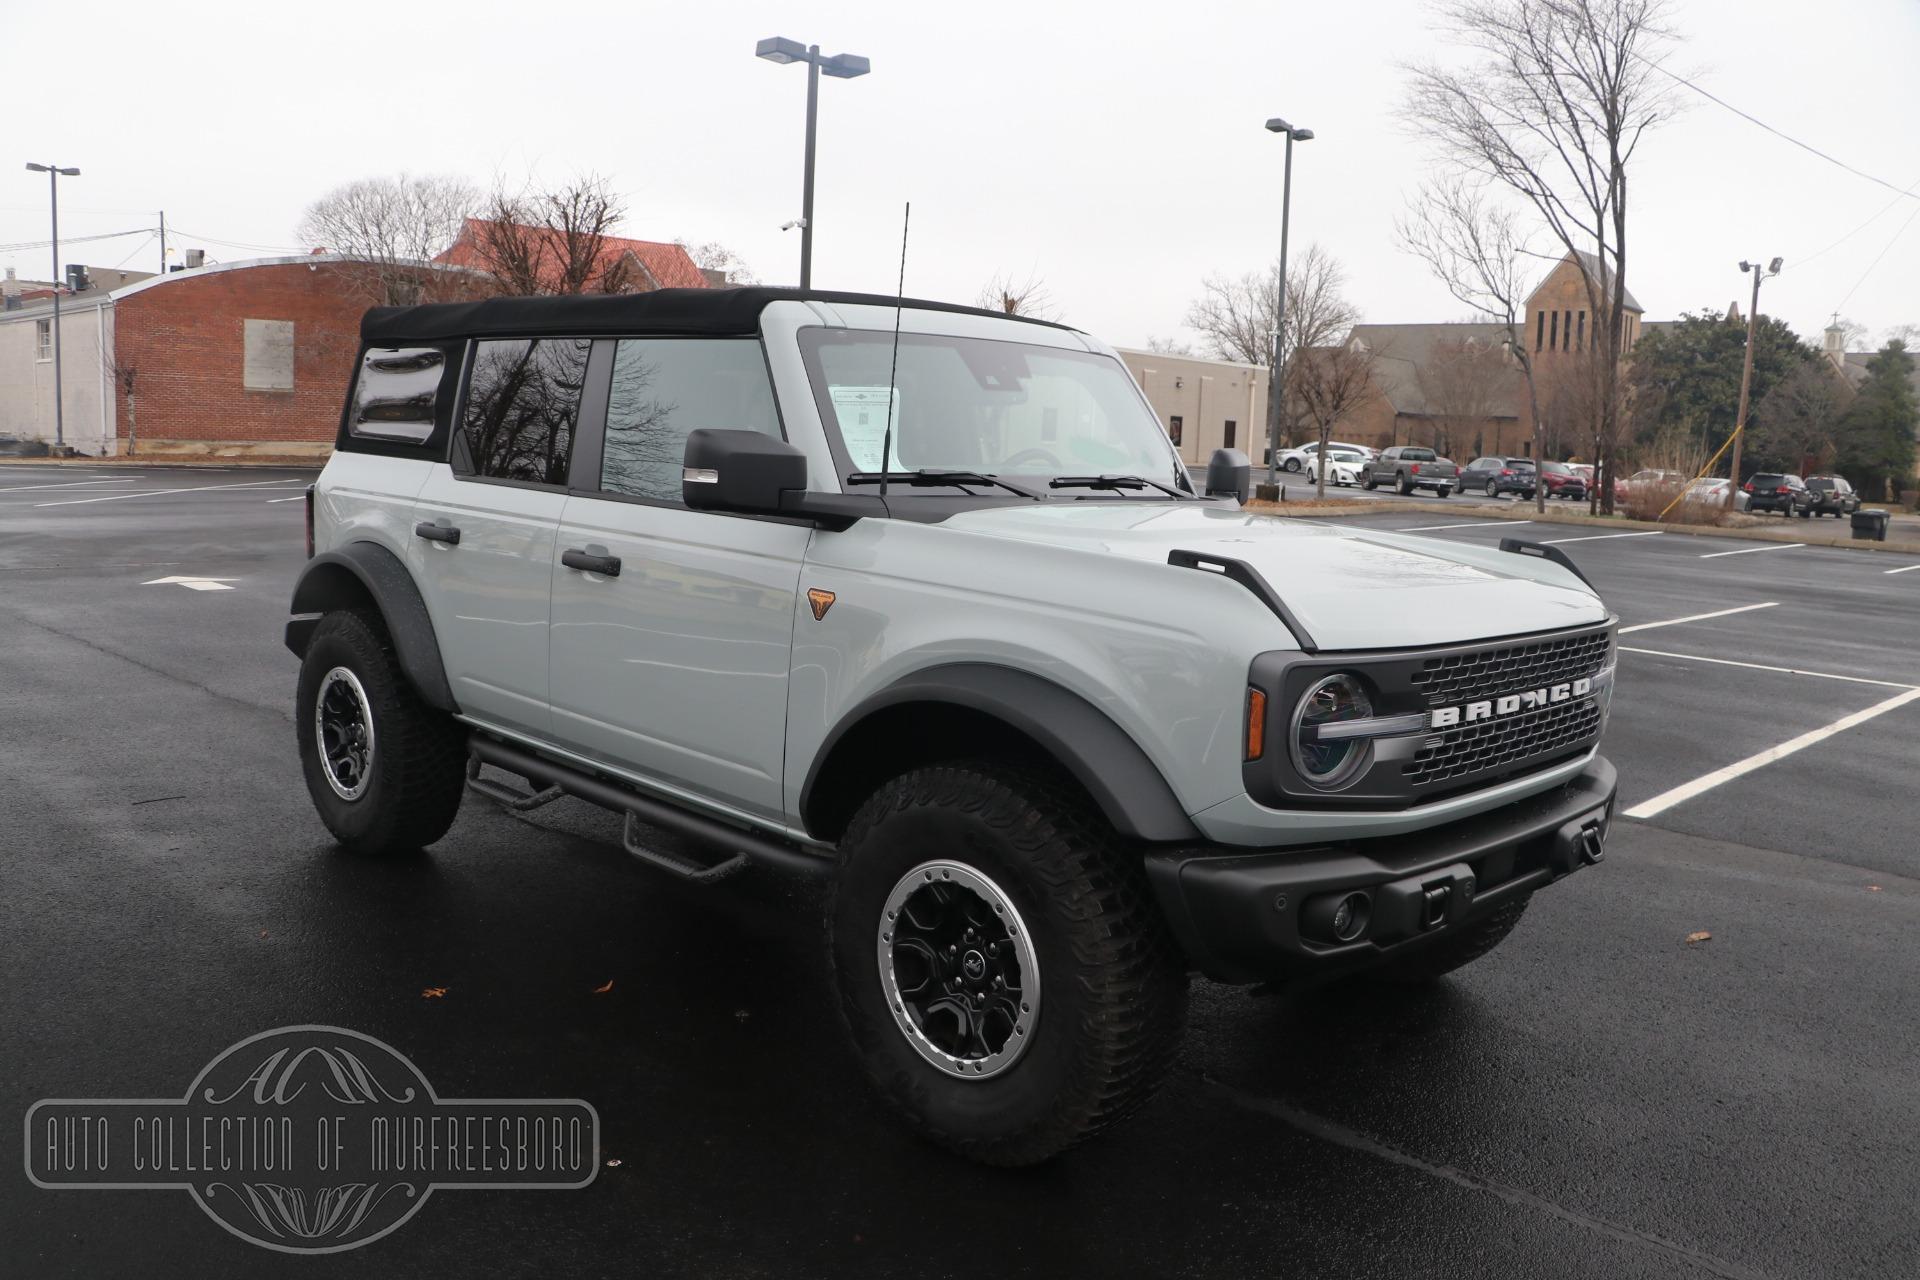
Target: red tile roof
[657,265]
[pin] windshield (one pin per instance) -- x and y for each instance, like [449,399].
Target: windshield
[997,408]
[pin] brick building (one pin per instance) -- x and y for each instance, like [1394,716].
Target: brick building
[240,359]
[1453,387]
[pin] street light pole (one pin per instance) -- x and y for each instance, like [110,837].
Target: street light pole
[843,66]
[1276,387]
[54,174]
[1746,373]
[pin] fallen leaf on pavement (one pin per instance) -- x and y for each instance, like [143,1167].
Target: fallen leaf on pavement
[1701,936]
[613,1164]
[432,993]
[600,991]
[1872,888]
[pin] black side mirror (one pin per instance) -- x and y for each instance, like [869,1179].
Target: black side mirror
[756,474]
[1229,475]
[739,471]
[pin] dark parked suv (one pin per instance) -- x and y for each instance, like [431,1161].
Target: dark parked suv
[1495,476]
[1832,495]
[1786,494]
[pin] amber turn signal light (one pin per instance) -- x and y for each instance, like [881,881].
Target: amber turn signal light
[1256,723]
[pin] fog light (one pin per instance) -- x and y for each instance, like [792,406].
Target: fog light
[1341,918]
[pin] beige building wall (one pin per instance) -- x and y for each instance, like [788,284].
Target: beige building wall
[26,377]
[1219,404]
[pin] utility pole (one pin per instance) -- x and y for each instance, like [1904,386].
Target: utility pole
[1746,373]
[54,174]
[163,242]
[1276,390]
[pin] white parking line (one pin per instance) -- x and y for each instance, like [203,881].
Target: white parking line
[159,493]
[1477,524]
[1707,782]
[69,484]
[1596,537]
[1697,617]
[1909,569]
[271,501]
[1760,666]
[1747,551]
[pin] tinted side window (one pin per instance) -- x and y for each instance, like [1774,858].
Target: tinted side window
[664,388]
[523,397]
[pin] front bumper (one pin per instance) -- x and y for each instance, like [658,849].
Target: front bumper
[1248,917]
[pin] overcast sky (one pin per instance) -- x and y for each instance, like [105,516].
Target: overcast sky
[1112,150]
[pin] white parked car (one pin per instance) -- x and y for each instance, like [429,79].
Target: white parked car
[1712,490]
[1297,459]
[1342,465]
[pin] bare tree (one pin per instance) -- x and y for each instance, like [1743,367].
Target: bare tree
[554,241]
[1554,111]
[1329,383]
[714,256]
[1480,253]
[1461,381]
[394,226]
[1169,346]
[1236,317]
[1797,418]
[1909,334]
[1028,298]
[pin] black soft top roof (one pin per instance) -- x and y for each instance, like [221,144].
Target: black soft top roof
[719,312]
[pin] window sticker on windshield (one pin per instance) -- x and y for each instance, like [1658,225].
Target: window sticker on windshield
[862,412]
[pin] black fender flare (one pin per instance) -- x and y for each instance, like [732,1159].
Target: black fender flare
[345,578]
[1122,781]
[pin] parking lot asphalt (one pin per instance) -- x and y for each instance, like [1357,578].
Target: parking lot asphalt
[1597,1098]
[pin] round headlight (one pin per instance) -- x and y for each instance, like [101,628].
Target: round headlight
[1331,762]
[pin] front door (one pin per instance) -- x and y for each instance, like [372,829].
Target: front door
[673,663]
[484,531]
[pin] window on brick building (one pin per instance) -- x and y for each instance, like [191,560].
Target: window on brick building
[267,355]
[1580,343]
[43,339]
[522,400]
[1539,330]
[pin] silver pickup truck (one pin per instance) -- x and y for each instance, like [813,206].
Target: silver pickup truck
[921,600]
[1408,467]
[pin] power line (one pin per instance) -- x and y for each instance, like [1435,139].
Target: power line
[1801,262]
[184,234]
[46,244]
[136,249]
[1876,260]
[1785,137]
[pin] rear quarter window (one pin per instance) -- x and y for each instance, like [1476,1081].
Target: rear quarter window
[396,393]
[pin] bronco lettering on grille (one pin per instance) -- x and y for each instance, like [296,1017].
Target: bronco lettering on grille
[1510,704]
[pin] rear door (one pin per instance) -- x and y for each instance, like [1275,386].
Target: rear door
[483,544]
[674,665]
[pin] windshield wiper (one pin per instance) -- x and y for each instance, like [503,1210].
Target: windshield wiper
[1115,482]
[928,476]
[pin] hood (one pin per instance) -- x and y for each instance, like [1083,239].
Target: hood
[1351,588]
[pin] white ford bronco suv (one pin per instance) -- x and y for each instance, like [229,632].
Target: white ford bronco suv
[921,599]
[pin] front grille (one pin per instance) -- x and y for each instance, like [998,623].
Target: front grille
[1493,744]
[1486,673]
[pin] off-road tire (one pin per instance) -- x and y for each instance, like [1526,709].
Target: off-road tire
[417,773]
[1112,981]
[1463,947]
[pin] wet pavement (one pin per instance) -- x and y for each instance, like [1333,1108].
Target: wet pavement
[1596,1098]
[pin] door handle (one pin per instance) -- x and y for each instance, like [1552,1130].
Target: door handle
[437,533]
[587,562]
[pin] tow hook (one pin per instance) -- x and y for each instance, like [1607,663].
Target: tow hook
[1593,842]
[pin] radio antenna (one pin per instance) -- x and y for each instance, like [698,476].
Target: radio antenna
[893,365]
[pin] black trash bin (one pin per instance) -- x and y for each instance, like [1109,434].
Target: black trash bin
[1869,526]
